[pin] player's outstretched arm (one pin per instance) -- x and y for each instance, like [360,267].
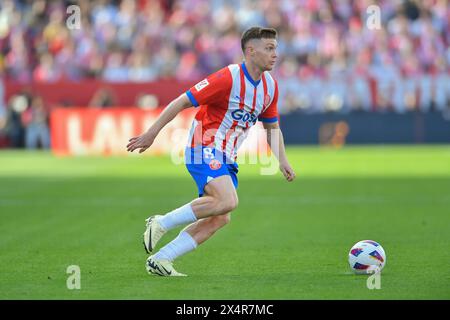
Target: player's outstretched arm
[276,143]
[145,140]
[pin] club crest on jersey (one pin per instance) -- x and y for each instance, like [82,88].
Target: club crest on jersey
[215,164]
[199,86]
[241,114]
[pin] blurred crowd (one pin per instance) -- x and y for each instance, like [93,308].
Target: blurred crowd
[330,59]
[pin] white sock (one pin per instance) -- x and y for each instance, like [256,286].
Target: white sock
[177,247]
[181,216]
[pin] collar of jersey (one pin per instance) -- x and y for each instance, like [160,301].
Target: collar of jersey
[248,76]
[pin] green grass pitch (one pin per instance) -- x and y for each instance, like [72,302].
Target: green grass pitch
[285,240]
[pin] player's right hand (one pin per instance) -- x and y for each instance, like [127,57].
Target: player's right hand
[142,142]
[287,171]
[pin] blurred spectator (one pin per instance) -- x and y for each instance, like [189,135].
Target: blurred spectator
[115,69]
[103,98]
[45,70]
[324,44]
[14,127]
[3,115]
[141,69]
[35,121]
[147,101]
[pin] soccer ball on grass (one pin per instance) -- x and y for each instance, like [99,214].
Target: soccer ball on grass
[366,256]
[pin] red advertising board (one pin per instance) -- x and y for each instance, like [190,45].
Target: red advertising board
[85,131]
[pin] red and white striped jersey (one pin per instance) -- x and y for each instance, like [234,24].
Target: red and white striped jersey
[230,103]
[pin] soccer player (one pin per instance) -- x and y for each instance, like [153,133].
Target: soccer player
[230,101]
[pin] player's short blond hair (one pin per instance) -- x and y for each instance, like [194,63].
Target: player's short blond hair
[257,33]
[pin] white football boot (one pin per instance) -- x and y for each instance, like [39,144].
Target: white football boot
[162,268]
[153,233]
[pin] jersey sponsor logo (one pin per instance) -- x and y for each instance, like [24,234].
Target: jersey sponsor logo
[199,86]
[215,164]
[241,114]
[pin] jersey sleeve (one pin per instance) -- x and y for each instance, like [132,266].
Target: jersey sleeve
[211,89]
[270,115]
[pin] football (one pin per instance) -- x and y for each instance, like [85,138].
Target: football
[365,256]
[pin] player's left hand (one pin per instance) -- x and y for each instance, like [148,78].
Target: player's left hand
[287,171]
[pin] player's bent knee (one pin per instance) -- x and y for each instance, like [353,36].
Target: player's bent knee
[228,204]
[225,218]
[221,220]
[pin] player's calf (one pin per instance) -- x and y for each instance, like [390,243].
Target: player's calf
[203,229]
